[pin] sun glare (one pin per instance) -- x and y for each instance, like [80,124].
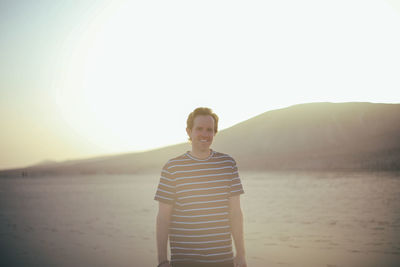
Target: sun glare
[138,70]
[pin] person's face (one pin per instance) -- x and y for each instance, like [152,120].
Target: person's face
[202,133]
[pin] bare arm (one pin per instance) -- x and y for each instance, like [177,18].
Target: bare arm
[163,221]
[237,230]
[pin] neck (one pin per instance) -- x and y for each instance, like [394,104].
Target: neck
[201,154]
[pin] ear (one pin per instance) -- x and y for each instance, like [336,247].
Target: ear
[188,131]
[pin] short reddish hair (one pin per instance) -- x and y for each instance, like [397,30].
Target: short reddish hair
[202,111]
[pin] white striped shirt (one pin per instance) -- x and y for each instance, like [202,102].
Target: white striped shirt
[199,190]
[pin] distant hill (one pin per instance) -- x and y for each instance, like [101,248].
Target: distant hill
[314,136]
[319,136]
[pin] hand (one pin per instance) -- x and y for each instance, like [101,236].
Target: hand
[165,264]
[240,261]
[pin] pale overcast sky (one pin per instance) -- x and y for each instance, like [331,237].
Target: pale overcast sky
[83,78]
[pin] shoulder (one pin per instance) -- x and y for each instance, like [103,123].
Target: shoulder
[175,161]
[224,156]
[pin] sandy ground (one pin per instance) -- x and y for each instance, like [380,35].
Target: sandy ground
[294,220]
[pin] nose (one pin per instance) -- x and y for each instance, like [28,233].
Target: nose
[206,134]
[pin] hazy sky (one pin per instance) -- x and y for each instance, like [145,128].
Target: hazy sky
[83,78]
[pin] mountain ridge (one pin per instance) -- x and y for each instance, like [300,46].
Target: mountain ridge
[312,136]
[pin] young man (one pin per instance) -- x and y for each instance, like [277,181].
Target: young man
[199,204]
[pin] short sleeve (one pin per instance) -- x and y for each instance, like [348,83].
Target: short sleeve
[166,187]
[236,184]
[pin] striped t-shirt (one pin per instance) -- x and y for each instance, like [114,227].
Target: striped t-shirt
[199,190]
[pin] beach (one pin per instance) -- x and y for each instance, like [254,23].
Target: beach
[291,219]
